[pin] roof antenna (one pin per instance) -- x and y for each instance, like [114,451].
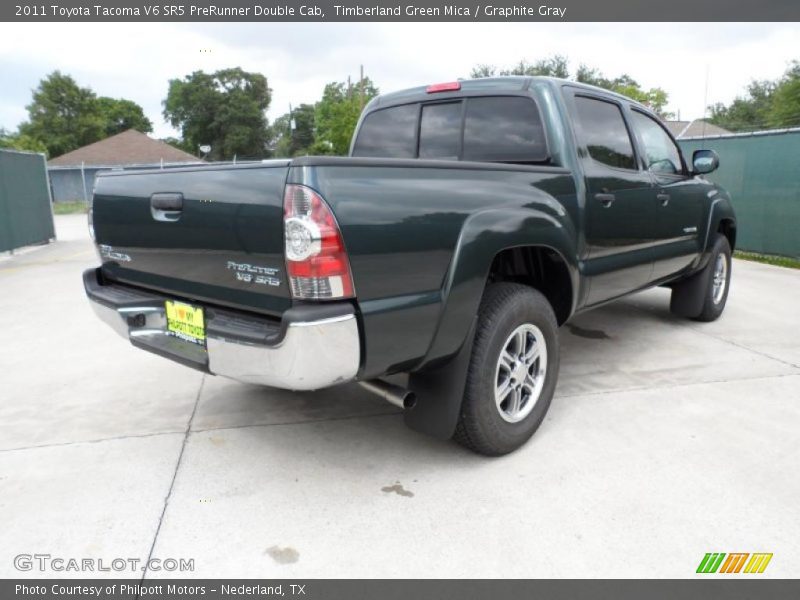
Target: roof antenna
[705,106]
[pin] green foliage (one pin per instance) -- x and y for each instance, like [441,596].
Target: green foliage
[555,66]
[785,108]
[121,115]
[70,208]
[655,98]
[180,144]
[20,142]
[558,66]
[336,115]
[63,116]
[225,110]
[769,259]
[295,142]
[766,105]
[745,113]
[483,70]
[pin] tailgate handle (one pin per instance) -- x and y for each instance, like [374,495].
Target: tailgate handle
[166,207]
[167,202]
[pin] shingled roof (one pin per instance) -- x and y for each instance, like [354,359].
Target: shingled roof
[130,147]
[696,128]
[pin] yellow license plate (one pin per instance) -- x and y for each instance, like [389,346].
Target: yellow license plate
[186,321]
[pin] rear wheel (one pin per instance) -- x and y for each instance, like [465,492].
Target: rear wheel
[513,370]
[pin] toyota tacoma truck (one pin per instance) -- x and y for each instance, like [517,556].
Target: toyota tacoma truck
[470,220]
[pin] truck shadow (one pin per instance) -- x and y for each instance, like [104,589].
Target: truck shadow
[613,348]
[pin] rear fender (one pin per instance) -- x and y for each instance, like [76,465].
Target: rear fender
[483,237]
[720,209]
[439,383]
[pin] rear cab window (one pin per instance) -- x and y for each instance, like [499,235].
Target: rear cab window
[440,131]
[389,133]
[505,129]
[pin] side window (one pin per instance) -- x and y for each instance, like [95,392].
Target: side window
[389,133]
[440,131]
[661,153]
[602,130]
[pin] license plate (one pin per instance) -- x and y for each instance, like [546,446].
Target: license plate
[186,321]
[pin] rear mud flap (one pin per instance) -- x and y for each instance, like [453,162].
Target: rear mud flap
[439,392]
[688,295]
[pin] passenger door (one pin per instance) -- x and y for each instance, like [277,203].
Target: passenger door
[679,198]
[619,211]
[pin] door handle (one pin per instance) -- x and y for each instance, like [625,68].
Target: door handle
[170,202]
[605,199]
[663,198]
[166,206]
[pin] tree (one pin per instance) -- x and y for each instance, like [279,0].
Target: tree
[121,115]
[180,144]
[555,66]
[745,113]
[20,142]
[655,98]
[225,110]
[785,107]
[558,66]
[63,116]
[336,115]
[767,104]
[298,141]
[483,70]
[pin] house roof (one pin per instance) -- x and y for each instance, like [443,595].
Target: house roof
[130,147]
[696,128]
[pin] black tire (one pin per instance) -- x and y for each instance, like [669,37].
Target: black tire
[697,297]
[712,308]
[505,308]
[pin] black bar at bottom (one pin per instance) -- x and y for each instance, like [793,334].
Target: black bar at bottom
[703,588]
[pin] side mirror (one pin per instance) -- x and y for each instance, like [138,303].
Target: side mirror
[704,161]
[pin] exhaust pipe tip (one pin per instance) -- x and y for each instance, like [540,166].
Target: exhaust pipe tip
[393,394]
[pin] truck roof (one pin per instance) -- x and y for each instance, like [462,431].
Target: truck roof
[511,83]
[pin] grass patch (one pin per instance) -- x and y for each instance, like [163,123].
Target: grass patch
[769,259]
[70,208]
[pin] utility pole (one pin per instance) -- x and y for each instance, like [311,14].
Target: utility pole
[361,87]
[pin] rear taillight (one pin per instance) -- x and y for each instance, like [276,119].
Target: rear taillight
[316,260]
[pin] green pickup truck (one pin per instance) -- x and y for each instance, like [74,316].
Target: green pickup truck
[469,222]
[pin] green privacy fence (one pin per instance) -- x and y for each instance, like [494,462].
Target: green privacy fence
[762,173]
[25,213]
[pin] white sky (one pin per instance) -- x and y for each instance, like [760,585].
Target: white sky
[135,61]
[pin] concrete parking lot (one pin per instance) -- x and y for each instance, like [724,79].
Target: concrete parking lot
[667,439]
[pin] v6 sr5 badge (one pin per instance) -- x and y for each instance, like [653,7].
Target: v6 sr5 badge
[254,273]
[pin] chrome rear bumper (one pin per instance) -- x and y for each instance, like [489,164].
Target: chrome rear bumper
[301,353]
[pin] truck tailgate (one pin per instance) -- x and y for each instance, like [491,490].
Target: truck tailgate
[212,234]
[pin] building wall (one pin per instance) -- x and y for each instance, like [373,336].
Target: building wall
[762,173]
[67,184]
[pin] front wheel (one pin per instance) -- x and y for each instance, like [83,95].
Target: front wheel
[513,370]
[703,296]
